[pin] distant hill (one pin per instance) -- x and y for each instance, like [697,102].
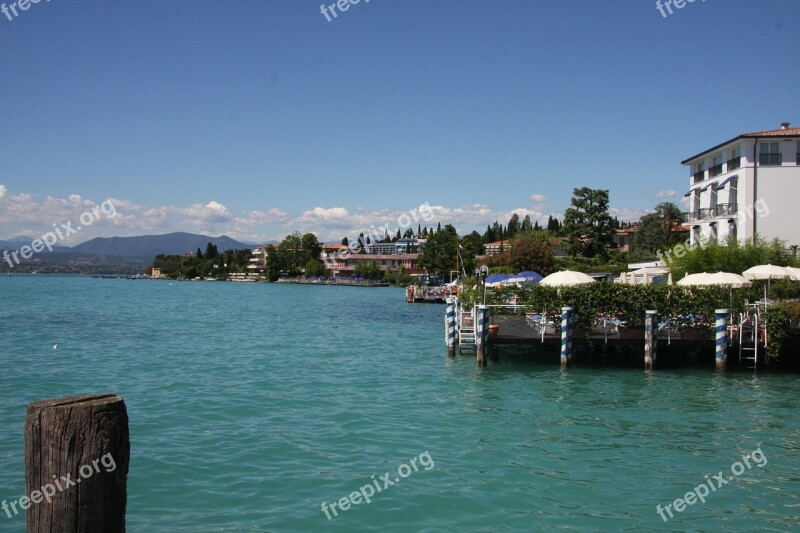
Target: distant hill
[17,242]
[148,246]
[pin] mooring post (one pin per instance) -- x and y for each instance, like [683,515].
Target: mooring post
[481,333]
[450,326]
[722,338]
[83,439]
[650,338]
[567,327]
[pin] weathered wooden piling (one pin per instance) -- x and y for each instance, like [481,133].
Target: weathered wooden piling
[721,338]
[567,328]
[650,338]
[77,452]
[450,326]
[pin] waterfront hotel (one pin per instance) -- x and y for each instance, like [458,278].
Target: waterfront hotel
[747,185]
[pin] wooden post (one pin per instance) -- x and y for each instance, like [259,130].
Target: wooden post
[650,338]
[450,322]
[77,452]
[567,327]
[481,335]
[721,340]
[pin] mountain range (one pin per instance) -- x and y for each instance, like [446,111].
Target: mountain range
[143,246]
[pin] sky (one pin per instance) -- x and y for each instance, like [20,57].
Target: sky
[255,119]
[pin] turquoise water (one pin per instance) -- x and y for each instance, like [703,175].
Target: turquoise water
[252,404]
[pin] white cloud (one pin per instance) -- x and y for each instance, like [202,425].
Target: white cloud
[538,198]
[2,191]
[669,193]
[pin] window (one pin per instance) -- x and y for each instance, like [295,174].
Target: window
[770,154]
[716,168]
[736,159]
[700,171]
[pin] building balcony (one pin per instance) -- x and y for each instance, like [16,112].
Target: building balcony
[726,210]
[707,213]
[690,216]
[716,170]
[699,176]
[734,163]
[770,159]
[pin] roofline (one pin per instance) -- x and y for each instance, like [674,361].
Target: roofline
[757,135]
[685,161]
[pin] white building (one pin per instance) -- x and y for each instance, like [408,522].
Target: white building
[749,184]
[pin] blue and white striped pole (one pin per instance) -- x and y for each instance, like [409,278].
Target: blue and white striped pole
[450,326]
[650,338]
[567,326]
[721,338]
[481,330]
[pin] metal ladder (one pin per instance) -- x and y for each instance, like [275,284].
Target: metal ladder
[750,336]
[466,331]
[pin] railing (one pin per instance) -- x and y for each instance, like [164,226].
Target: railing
[707,213]
[726,210]
[734,163]
[699,176]
[770,159]
[690,216]
[716,170]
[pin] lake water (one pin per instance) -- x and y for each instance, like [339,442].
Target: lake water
[252,404]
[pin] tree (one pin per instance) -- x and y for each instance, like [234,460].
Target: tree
[471,246]
[211,251]
[513,225]
[310,246]
[657,231]
[439,253]
[274,263]
[588,224]
[532,251]
[314,268]
[526,224]
[198,253]
[346,241]
[553,224]
[729,256]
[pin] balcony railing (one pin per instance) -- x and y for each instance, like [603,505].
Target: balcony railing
[690,216]
[770,159]
[726,210]
[716,170]
[734,163]
[707,213]
[699,176]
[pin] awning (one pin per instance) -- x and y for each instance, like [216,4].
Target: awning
[721,185]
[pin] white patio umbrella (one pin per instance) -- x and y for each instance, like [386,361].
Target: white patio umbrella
[566,277]
[795,272]
[633,278]
[768,272]
[669,279]
[623,279]
[645,279]
[694,279]
[728,278]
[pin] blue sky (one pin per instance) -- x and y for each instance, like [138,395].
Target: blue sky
[259,118]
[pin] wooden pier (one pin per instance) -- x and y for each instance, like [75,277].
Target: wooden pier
[478,332]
